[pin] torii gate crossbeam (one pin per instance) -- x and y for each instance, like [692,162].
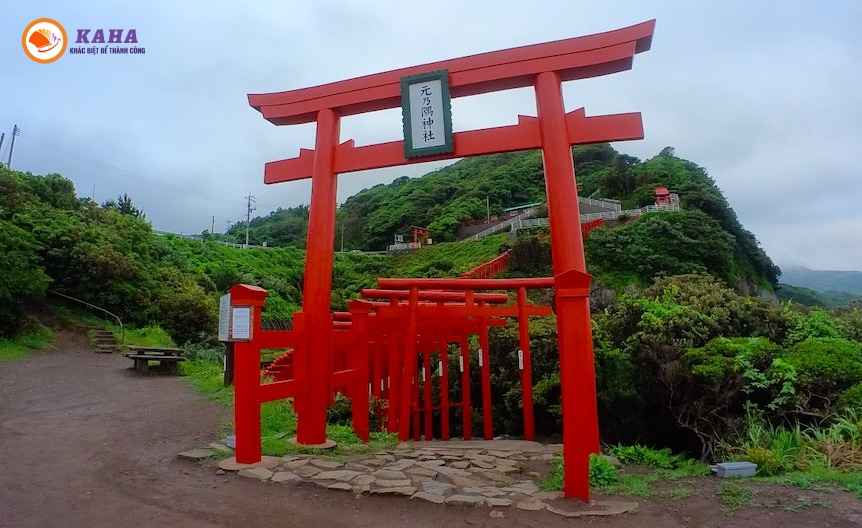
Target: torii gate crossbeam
[543,66]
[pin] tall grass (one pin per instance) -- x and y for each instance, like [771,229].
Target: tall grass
[35,337]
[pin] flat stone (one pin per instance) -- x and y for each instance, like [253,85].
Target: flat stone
[363,480]
[400,483]
[524,488]
[404,490]
[477,456]
[401,465]
[498,502]
[548,495]
[449,458]
[613,460]
[260,473]
[387,474]
[421,472]
[505,469]
[290,458]
[432,463]
[437,487]
[285,476]
[230,463]
[493,476]
[500,454]
[326,464]
[496,514]
[386,458]
[463,464]
[343,486]
[362,468]
[427,457]
[197,454]
[293,464]
[375,462]
[608,508]
[465,500]
[341,475]
[450,471]
[530,505]
[482,464]
[516,446]
[485,491]
[365,488]
[430,497]
[219,447]
[307,471]
[464,482]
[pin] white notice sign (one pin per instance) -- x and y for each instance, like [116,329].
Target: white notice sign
[224,318]
[241,322]
[426,114]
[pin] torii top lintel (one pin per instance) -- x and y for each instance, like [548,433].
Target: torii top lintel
[575,58]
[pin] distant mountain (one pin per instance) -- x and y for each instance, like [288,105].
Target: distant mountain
[823,280]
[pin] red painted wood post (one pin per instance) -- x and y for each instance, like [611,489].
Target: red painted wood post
[577,373]
[444,391]
[359,360]
[247,377]
[409,373]
[311,424]
[485,368]
[393,379]
[525,365]
[466,405]
[427,402]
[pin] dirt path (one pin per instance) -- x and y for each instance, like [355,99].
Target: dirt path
[86,442]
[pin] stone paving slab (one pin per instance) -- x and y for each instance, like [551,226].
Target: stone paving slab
[495,474]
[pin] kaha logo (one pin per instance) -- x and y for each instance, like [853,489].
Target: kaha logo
[44,40]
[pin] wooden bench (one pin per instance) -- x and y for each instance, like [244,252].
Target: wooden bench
[168,358]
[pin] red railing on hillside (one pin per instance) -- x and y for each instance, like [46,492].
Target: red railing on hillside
[501,263]
[586,227]
[488,269]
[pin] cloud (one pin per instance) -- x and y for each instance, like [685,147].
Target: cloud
[765,99]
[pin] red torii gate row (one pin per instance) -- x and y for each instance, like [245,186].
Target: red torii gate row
[391,336]
[542,66]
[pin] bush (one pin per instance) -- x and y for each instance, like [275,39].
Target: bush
[826,366]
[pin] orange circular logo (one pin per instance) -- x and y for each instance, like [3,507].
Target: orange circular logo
[44,40]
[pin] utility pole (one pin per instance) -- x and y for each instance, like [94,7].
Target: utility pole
[94,193]
[227,226]
[488,206]
[342,237]
[212,227]
[250,199]
[15,131]
[2,137]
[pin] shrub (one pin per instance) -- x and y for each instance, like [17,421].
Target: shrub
[826,367]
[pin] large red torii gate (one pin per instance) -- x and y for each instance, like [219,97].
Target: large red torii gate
[543,66]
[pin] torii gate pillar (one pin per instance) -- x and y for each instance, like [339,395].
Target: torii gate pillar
[311,426]
[577,370]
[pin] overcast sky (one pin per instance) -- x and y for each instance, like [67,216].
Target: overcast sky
[767,96]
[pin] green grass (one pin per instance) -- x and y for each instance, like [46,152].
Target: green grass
[152,336]
[36,337]
[735,496]
[277,418]
[820,479]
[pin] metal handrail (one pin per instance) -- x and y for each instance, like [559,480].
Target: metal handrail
[93,306]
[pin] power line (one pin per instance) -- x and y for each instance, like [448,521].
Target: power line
[250,199]
[77,154]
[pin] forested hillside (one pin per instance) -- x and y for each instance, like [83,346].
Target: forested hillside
[682,359]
